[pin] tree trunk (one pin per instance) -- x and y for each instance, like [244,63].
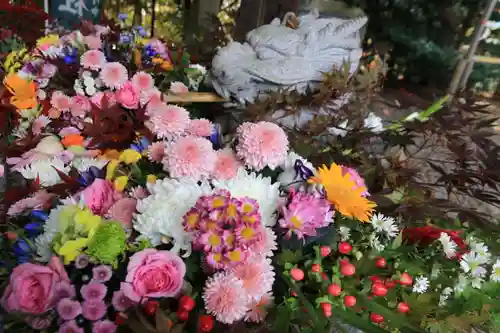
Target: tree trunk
[117,7]
[137,12]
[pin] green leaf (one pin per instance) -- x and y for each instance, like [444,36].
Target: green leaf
[397,241]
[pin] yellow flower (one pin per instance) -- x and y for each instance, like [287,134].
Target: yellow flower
[87,221]
[72,249]
[151,179]
[47,40]
[120,183]
[129,156]
[343,193]
[166,65]
[111,168]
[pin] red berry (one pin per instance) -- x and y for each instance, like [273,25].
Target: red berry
[378,289]
[375,278]
[406,279]
[390,283]
[345,248]
[316,268]
[327,309]
[349,301]
[334,289]
[186,303]
[381,263]
[206,323]
[403,307]
[297,274]
[183,315]
[120,319]
[376,318]
[151,307]
[325,251]
[324,276]
[294,294]
[347,269]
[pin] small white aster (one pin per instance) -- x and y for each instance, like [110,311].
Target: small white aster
[495,272]
[471,262]
[384,224]
[445,294]
[421,284]
[375,243]
[462,283]
[449,246]
[481,250]
[345,233]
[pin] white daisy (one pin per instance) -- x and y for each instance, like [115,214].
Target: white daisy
[374,123]
[45,170]
[481,250]
[495,271]
[449,246]
[421,285]
[82,164]
[471,262]
[445,294]
[462,283]
[345,233]
[289,176]
[160,214]
[255,187]
[384,224]
[375,243]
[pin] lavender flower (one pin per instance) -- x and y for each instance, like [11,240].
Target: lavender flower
[68,309]
[70,327]
[64,290]
[81,261]
[93,291]
[120,301]
[102,273]
[104,326]
[94,310]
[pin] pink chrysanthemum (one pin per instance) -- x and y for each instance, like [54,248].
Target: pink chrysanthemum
[152,97]
[360,182]
[39,200]
[190,157]
[225,297]
[60,101]
[114,75]
[39,124]
[102,273]
[104,326]
[227,164]
[93,59]
[93,42]
[68,309]
[143,81]
[138,193]
[200,127]
[170,121]
[265,246]
[262,144]
[120,301]
[156,151]
[93,291]
[93,310]
[305,213]
[257,275]
[70,327]
[178,88]
[258,308]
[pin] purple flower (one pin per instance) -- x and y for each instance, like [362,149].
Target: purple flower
[94,310]
[70,327]
[81,261]
[104,326]
[64,290]
[69,309]
[120,301]
[102,273]
[93,291]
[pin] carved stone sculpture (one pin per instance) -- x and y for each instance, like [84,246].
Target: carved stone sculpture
[276,56]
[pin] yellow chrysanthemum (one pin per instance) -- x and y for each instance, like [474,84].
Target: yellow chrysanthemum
[129,156]
[120,183]
[47,40]
[343,193]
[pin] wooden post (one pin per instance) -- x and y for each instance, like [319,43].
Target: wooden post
[248,17]
[153,18]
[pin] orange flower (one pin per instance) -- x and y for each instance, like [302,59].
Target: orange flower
[23,92]
[166,65]
[72,140]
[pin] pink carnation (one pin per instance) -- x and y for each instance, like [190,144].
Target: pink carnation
[104,326]
[257,275]
[80,106]
[68,309]
[360,182]
[143,81]
[226,165]
[225,297]
[121,302]
[201,127]
[128,96]
[39,124]
[156,151]
[170,121]
[93,42]
[258,308]
[262,144]
[123,211]
[60,101]
[94,310]
[93,291]
[93,59]
[70,327]
[190,157]
[40,200]
[178,88]
[114,75]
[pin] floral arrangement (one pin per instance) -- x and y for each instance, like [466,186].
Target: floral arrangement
[133,216]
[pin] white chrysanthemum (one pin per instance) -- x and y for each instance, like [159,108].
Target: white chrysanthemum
[384,224]
[462,283]
[375,243]
[449,246]
[445,294]
[53,52]
[471,262]
[50,229]
[374,123]
[255,187]
[289,176]
[345,233]
[421,285]
[495,272]
[82,164]
[45,170]
[160,214]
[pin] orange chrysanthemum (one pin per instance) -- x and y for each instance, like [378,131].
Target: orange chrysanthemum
[343,193]
[73,140]
[23,91]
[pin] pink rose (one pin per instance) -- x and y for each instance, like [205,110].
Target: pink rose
[99,196]
[153,273]
[128,96]
[80,106]
[31,287]
[122,211]
[98,97]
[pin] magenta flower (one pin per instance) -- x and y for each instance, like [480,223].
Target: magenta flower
[94,310]
[68,309]
[360,182]
[70,327]
[93,291]
[120,301]
[81,261]
[102,273]
[104,326]
[305,213]
[64,290]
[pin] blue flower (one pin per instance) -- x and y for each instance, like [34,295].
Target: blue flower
[70,56]
[122,17]
[302,171]
[33,229]
[149,51]
[141,145]
[39,215]
[125,38]
[140,30]
[21,248]
[87,177]
[216,137]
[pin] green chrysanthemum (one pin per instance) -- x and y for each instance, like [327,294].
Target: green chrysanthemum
[108,243]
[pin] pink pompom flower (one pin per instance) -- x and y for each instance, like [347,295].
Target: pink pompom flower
[61,101]
[200,127]
[156,151]
[143,81]
[190,157]
[93,310]
[80,106]
[93,59]
[102,273]
[226,165]
[104,326]
[93,291]
[93,42]
[258,308]
[121,302]
[114,75]
[68,309]
[262,144]
[358,180]
[257,275]
[169,121]
[178,88]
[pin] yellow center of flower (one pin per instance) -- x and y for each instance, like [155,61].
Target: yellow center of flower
[296,222]
[211,225]
[247,208]
[218,202]
[231,211]
[214,240]
[249,219]
[193,219]
[234,255]
[216,257]
[230,239]
[247,233]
